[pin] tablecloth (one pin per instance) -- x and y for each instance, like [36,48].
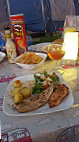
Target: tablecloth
[39,128]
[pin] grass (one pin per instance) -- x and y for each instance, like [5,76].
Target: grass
[43,38]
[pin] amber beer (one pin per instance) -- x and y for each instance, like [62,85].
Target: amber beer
[18,27]
[56,54]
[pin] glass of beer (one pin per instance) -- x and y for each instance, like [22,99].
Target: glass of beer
[55,52]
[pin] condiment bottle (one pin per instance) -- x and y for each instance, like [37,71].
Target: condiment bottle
[10,46]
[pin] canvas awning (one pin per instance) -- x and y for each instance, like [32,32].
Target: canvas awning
[61,8]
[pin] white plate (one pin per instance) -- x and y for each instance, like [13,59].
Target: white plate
[2,56]
[38,47]
[8,100]
[31,66]
[44,48]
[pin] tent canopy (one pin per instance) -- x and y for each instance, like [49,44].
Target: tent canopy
[41,15]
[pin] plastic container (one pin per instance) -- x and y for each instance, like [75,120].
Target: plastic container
[18,27]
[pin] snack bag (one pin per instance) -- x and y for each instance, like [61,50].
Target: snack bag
[18,27]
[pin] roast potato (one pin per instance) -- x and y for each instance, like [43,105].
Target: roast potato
[18,97]
[14,91]
[17,83]
[26,92]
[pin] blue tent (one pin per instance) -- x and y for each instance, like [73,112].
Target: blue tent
[37,14]
[32,11]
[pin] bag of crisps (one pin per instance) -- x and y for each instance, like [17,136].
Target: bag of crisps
[18,27]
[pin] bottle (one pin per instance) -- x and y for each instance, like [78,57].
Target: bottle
[10,46]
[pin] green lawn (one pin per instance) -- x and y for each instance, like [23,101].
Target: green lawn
[45,39]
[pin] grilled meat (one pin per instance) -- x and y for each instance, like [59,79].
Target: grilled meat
[58,95]
[35,101]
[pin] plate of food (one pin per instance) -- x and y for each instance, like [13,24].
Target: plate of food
[38,47]
[54,43]
[58,41]
[44,48]
[30,60]
[37,94]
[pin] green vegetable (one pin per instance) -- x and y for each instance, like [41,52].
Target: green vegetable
[37,78]
[45,73]
[55,78]
[37,88]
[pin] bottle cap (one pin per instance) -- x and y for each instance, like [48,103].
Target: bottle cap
[7,32]
[7,28]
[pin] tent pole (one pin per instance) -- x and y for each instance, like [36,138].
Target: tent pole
[44,16]
[8,4]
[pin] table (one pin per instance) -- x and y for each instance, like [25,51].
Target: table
[40,128]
